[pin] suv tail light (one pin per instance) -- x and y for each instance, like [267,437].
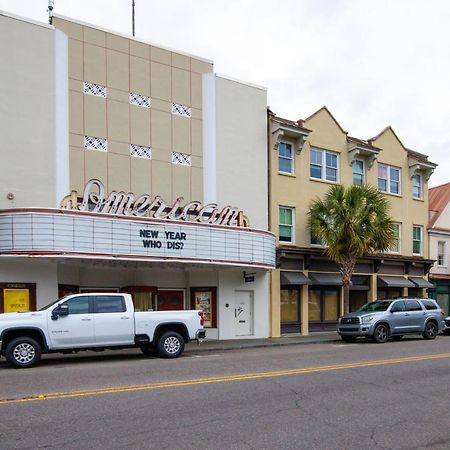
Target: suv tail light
[202,319]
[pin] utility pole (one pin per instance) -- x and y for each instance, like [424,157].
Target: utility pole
[132,4]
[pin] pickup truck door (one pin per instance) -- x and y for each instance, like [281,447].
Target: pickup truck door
[77,328]
[113,323]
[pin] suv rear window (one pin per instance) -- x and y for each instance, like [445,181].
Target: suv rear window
[413,305]
[429,305]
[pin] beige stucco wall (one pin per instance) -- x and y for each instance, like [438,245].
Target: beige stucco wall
[27,113]
[299,190]
[125,65]
[236,147]
[404,208]
[443,222]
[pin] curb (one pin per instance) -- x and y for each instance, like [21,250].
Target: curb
[237,346]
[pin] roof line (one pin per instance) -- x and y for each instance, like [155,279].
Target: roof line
[324,108]
[127,36]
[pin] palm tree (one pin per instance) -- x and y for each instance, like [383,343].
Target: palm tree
[351,223]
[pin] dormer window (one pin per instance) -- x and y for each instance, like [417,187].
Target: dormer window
[417,186]
[358,172]
[285,158]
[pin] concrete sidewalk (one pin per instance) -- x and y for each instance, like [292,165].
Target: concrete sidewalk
[234,344]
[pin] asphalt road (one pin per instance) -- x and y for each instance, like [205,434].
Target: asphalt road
[323,396]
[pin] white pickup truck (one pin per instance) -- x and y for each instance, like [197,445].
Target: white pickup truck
[95,322]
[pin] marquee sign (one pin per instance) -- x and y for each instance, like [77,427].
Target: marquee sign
[96,200]
[76,234]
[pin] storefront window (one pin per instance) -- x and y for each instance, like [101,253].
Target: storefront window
[323,304]
[205,299]
[314,305]
[357,299]
[289,305]
[330,300]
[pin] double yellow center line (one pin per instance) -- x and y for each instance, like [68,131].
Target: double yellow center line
[223,379]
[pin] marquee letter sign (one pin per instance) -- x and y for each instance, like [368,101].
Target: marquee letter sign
[96,200]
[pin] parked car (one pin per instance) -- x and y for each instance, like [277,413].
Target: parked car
[393,318]
[447,325]
[95,322]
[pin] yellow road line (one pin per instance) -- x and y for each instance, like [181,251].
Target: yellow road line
[223,379]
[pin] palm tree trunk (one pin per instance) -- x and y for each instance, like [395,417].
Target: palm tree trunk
[347,267]
[346,298]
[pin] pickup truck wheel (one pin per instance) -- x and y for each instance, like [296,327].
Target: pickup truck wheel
[23,352]
[381,334]
[170,345]
[431,331]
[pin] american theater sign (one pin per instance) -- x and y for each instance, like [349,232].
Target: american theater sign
[123,226]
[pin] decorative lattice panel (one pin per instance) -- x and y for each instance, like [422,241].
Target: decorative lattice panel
[140,152]
[140,100]
[181,158]
[95,143]
[181,110]
[95,89]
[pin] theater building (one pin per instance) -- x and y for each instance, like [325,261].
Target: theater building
[125,168]
[308,156]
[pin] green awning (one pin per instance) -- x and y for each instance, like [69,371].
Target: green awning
[326,279]
[293,279]
[396,282]
[421,282]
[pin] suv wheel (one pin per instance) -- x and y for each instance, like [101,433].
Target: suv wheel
[381,334]
[431,331]
[23,352]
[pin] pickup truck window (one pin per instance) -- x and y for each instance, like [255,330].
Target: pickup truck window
[52,303]
[78,305]
[109,304]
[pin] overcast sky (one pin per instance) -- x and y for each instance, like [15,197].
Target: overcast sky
[372,62]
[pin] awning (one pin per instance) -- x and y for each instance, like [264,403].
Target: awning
[421,282]
[293,279]
[326,279]
[396,282]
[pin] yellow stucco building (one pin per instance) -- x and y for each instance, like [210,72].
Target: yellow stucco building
[306,157]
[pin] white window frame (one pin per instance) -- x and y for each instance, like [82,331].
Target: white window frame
[323,165]
[388,179]
[286,225]
[420,227]
[313,244]
[443,254]
[363,171]
[399,250]
[291,159]
[420,186]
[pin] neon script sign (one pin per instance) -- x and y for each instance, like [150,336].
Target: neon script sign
[95,199]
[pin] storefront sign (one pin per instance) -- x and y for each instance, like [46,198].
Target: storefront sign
[78,234]
[96,200]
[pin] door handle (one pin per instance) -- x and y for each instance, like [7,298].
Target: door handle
[86,319]
[406,314]
[124,318]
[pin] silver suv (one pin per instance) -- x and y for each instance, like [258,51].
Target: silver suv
[393,318]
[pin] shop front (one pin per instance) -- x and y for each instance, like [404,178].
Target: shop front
[311,292]
[178,256]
